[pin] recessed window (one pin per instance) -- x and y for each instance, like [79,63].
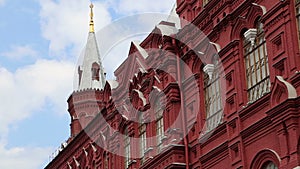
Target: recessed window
[95,71]
[106,159]
[213,103]
[126,149]
[269,165]
[142,135]
[159,124]
[256,63]
[79,74]
[297,2]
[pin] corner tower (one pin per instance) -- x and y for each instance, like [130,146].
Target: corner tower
[87,99]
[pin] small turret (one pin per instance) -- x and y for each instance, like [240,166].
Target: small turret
[87,100]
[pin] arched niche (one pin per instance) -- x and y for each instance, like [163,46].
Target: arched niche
[264,157]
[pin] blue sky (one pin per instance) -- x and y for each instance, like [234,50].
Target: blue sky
[41,41]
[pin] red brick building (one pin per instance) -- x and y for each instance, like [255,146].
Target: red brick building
[181,101]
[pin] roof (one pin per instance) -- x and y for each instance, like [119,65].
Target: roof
[140,49]
[174,17]
[91,56]
[113,83]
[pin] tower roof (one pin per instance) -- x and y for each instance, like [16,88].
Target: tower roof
[174,18]
[91,72]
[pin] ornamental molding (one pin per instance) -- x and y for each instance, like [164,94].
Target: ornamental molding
[216,153]
[276,14]
[250,35]
[263,156]
[209,70]
[247,19]
[281,91]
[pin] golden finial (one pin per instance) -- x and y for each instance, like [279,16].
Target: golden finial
[92,21]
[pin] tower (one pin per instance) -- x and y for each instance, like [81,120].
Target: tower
[87,100]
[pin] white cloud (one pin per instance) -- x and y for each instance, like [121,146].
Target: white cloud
[2,2]
[66,23]
[134,6]
[18,52]
[25,158]
[25,91]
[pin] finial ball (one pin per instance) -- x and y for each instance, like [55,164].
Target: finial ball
[91,6]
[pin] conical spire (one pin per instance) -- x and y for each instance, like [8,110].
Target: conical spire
[91,72]
[174,18]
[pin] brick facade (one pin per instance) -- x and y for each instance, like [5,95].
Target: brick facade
[251,134]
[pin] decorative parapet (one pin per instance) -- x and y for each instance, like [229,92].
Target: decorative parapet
[58,150]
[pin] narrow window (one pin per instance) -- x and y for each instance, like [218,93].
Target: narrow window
[95,71]
[80,75]
[106,160]
[159,124]
[297,2]
[142,136]
[126,149]
[256,63]
[213,103]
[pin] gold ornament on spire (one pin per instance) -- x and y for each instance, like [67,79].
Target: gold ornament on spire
[91,20]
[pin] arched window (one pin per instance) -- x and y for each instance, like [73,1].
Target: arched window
[256,63]
[213,103]
[159,124]
[95,71]
[142,135]
[126,149]
[266,159]
[79,74]
[269,165]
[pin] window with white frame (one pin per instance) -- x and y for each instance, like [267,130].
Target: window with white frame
[159,124]
[213,102]
[142,135]
[126,149]
[269,165]
[256,63]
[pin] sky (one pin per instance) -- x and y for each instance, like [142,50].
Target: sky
[40,43]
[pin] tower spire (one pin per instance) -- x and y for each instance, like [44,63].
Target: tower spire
[91,19]
[91,72]
[91,82]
